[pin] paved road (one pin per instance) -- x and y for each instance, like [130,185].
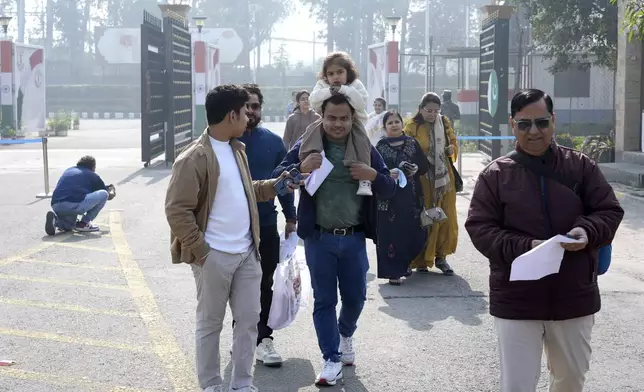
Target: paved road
[109,312]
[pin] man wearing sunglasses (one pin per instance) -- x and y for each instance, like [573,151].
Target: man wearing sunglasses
[532,194]
[265,151]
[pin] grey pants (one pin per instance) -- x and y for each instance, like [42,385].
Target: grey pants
[227,277]
[567,346]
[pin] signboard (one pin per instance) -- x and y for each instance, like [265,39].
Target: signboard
[123,45]
[227,40]
[120,45]
[29,81]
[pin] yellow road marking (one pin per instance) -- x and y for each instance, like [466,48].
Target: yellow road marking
[72,308]
[179,371]
[28,252]
[85,247]
[64,381]
[86,266]
[64,282]
[68,339]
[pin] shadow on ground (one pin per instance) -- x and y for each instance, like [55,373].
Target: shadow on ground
[436,298]
[154,173]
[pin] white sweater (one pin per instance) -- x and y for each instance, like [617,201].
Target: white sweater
[356,92]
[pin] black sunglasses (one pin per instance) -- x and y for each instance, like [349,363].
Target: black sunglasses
[525,125]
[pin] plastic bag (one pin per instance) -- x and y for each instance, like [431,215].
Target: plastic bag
[291,284]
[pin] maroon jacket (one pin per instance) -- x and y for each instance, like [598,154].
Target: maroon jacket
[507,212]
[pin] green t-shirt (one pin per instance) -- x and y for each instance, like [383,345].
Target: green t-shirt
[336,202]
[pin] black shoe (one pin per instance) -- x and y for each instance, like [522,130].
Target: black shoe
[442,265]
[50,223]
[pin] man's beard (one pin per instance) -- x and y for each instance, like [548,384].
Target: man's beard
[252,122]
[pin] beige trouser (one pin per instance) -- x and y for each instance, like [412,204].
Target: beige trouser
[227,277]
[567,346]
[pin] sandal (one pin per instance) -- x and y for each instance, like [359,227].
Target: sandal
[423,270]
[442,265]
[395,282]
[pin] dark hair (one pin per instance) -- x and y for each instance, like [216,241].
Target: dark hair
[382,101]
[224,99]
[528,97]
[87,162]
[338,99]
[447,95]
[427,98]
[341,59]
[253,88]
[297,98]
[388,114]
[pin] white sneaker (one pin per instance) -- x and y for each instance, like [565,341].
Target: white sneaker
[214,388]
[266,353]
[330,374]
[251,388]
[348,356]
[364,189]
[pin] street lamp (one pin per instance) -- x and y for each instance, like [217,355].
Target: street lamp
[393,23]
[199,21]
[4,22]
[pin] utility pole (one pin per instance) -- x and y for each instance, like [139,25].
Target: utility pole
[468,12]
[428,53]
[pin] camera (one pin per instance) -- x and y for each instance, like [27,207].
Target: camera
[281,187]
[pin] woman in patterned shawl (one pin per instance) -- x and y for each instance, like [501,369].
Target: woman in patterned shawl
[436,137]
[400,234]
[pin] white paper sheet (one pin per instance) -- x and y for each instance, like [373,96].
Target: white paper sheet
[318,176]
[541,261]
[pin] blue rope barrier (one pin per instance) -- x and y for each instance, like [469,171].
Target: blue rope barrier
[484,137]
[19,141]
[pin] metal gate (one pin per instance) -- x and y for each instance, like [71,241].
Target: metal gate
[166,87]
[493,82]
[153,91]
[179,80]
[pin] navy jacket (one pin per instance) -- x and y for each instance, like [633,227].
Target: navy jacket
[384,187]
[75,184]
[265,150]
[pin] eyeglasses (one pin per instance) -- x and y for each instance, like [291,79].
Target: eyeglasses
[525,125]
[253,106]
[431,111]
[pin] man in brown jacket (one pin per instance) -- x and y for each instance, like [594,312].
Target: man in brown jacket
[519,201]
[211,207]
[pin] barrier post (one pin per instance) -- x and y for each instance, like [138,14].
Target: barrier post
[45,157]
[460,157]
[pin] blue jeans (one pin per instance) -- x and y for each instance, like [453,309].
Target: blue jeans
[67,212]
[336,260]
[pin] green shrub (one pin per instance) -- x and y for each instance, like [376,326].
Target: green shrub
[565,140]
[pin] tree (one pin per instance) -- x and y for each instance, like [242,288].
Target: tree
[633,18]
[573,31]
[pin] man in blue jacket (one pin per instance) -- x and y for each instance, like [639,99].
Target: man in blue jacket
[334,224]
[265,151]
[80,191]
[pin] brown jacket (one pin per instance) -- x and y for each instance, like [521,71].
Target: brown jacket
[296,126]
[191,193]
[507,212]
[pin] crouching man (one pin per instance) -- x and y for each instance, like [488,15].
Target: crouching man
[80,191]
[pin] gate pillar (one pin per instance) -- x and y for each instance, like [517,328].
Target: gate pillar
[177,9]
[493,77]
